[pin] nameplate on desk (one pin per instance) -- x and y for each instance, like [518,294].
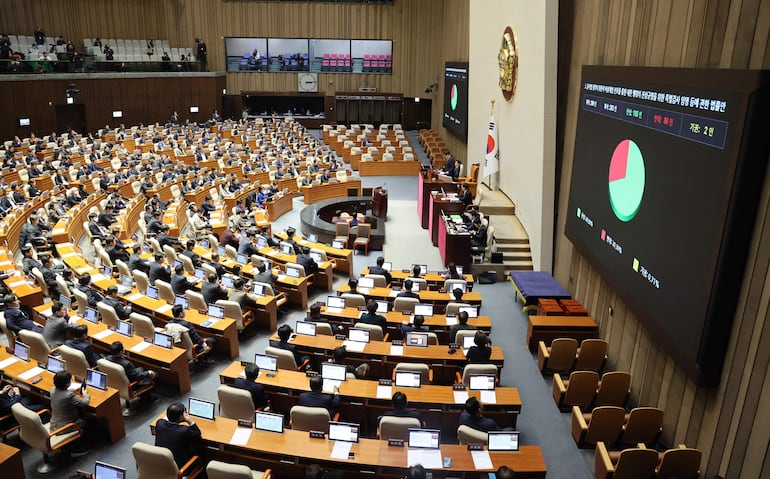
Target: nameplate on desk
[139,347]
[454,346]
[458,387]
[397,342]
[385,382]
[405,271]
[406,313]
[475,447]
[245,363]
[340,336]
[311,374]
[317,435]
[395,443]
[242,423]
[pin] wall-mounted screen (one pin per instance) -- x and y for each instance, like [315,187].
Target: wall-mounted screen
[456,98]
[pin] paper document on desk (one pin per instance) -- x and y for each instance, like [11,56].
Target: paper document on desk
[135,297]
[384,392]
[139,347]
[281,277]
[481,460]
[165,308]
[74,386]
[355,346]
[396,350]
[460,397]
[98,277]
[31,373]
[240,436]
[46,312]
[102,334]
[341,449]
[392,294]
[430,459]
[16,284]
[330,309]
[363,290]
[488,397]
[8,361]
[451,321]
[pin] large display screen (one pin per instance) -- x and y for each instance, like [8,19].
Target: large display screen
[667,169]
[456,98]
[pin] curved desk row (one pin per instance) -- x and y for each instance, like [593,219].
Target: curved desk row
[438,299]
[316,219]
[330,190]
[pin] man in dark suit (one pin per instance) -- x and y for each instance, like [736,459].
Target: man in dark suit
[290,239]
[258,396]
[158,270]
[106,218]
[81,343]
[178,433]
[17,319]
[114,252]
[406,291]
[316,398]
[112,299]
[306,261]
[164,239]
[401,409]
[214,263]
[179,283]
[479,238]
[136,262]
[472,417]
[264,276]
[416,326]
[133,373]
[212,290]
[84,285]
[248,245]
[378,269]
[241,296]
[96,230]
[465,195]
[371,316]
[203,346]
[32,233]
[190,253]
[27,261]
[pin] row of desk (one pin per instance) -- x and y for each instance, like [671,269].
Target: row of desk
[438,299]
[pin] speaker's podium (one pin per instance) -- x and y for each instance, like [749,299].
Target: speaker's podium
[380,203]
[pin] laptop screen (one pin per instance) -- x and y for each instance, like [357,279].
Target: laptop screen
[176,262]
[227,281]
[387,266]
[316,257]
[423,309]
[258,289]
[200,274]
[163,340]
[202,409]
[408,379]
[343,431]
[183,300]
[55,364]
[333,371]
[103,470]
[204,243]
[365,282]
[337,244]
[473,312]
[424,438]
[265,421]
[65,300]
[468,341]
[287,249]
[305,328]
[216,311]
[125,281]
[266,362]
[221,251]
[21,351]
[91,315]
[292,272]
[382,306]
[312,238]
[358,335]
[152,292]
[261,241]
[107,271]
[242,259]
[96,379]
[124,328]
[503,441]
[482,382]
[335,302]
[416,339]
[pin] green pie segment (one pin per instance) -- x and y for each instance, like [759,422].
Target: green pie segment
[626,180]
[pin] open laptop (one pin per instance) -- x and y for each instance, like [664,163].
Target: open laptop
[65,300]
[424,438]
[473,311]
[216,311]
[335,303]
[261,241]
[258,289]
[382,306]
[152,292]
[460,286]
[414,339]
[222,252]
[241,259]
[313,238]
[468,341]
[482,382]
[21,350]
[305,328]
[125,285]
[176,263]
[124,327]
[316,257]
[200,274]
[292,272]
[287,249]
[102,470]
[333,375]
[344,431]
[364,282]
[266,421]
[338,244]
[503,441]
[96,379]
[227,281]
[459,269]
[202,409]
[425,310]
[204,242]
[358,335]
[408,379]
[92,315]
[182,300]
[163,340]
[266,362]
[107,271]
[56,364]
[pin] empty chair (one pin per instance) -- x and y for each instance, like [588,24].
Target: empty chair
[232,253]
[154,462]
[108,314]
[165,291]
[392,427]
[10,335]
[235,403]
[143,325]
[117,378]
[285,359]
[602,424]
[354,300]
[40,281]
[187,263]
[682,463]
[304,418]
[38,348]
[342,232]
[404,304]
[363,234]
[196,300]
[558,357]
[426,373]
[141,279]
[233,311]
[224,470]
[591,355]
[636,463]
[613,389]
[122,268]
[40,436]
[379,280]
[578,390]
[75,361]
[471,369]
[468,435]
[324,329]
[170,254]
[81,300]
[643,425]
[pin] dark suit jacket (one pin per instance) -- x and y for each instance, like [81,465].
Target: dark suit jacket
[212,292]
[408,294]
[118,306]
[180,284]
[93,296]
[158,271]
[86,348]
[480,423]
[314,399]
[405,413]
[382,271]
[16,320]
[180,439]
[258,396]
[196,260]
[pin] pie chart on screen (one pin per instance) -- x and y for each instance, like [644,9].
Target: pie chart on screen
[626,180]
[453,97]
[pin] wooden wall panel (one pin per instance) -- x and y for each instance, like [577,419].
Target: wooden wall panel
[729,422]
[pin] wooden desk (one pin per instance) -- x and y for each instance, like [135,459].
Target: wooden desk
[10,462]
[360,404]
[434,280]
[424,188]
[289,453]
[342,257]
[389,168]
[454,245]
[440,205]
[330,190]
[437,299]
[548,328]
[382,359]
[437,323]
[104,404]
[279,206]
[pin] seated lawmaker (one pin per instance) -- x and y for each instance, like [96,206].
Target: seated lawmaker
[472,417]
[401,409]
[316,398]
[250,384]
[371,316]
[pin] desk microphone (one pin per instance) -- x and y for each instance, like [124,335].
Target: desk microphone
[443,193]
